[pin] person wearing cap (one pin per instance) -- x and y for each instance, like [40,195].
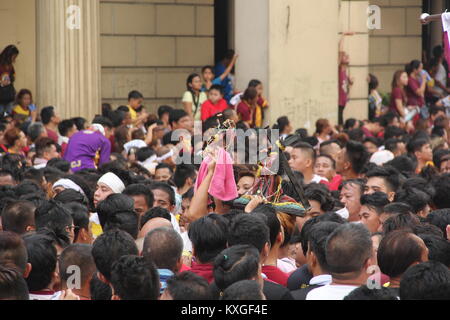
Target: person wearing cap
[89,148]
[108,184]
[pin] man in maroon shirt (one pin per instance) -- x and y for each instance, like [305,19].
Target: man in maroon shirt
[209,237]
[372,128]
[51,120]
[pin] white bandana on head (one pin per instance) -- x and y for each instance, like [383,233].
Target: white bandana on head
[68,184]
[99,128]
[112,181]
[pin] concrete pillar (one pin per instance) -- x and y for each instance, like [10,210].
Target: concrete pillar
[437,6]
[68,55]
[292,46]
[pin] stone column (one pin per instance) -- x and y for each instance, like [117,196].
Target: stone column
[292,46]
[68,56]
[437,6]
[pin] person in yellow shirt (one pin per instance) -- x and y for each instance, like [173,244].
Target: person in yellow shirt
[261,104]
[25,106]
[138,114]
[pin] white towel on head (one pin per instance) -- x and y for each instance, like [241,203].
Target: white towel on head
[99,128]
[68,184]
[138,143]
[112,181]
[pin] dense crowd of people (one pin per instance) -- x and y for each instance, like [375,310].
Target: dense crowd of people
[105,210]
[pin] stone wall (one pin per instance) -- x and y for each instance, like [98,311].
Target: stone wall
[152,46]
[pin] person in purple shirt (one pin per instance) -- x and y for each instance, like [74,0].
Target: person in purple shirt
[91,147]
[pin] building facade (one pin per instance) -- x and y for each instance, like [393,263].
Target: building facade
[76,54]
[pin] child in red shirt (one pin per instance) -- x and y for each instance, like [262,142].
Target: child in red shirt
[215,103]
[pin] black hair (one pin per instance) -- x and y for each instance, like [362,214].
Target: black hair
[438,248]
[248,290]
[46,114]
[70,195]
[281,124]
[140,190]
[366,293]
[416,198]
[109,247]
[357,155]
[321,194]
[17,216]
[249,94]
[234,264]
[99,290]
[42,257]
[60,164]
[249,229]
[397,208]
[64,127]
[376,201]
[208,236]
[347,250]
[189,194]
[188,286]
[182,173]
[135,95]
[397,251]
[303,235]
[162,186]
[440,156]
[403,164]
[441,200]
[389,174]
[164,246]
[79,122]
[13,251]
[317,240]
[216,87]
[144,153]
[80,216]
[156,212]
[164,109]
[402,221]
[56,217]
[126,220]
[440,218]
[308,148]
[413,65]
[416,145]
[393,132]
[12,285]
[254,83]
[7,54]
[349,123]
[176,115]
[426,281]
[42,145]
[104,121]
[77,255]
[271,220]
[135,278]
[115,202]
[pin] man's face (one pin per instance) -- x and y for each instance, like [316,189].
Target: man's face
[350,197]
[298,161]
[214,96]
[324,168]
[52,153]
[425,153]
[140,204]
[185,205]
[371,148]
[162,200]
[102,192]
[401,149]
[136,103]
[383,217]
[7,180]
[184,123]
[369,218]
[163,175]
[445,166]
[315,211]
[376,184]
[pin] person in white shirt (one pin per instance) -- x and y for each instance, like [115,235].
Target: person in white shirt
[302,159]
[315,257]
[349,253]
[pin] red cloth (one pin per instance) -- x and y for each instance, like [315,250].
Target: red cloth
[413,98]
[209,109]
[334,184]
[276,275]
[367,133]
[184,268]
[244,111]
[203,270]
[52,135]
[397,93]
[343,87]
[63,148]
[112,139]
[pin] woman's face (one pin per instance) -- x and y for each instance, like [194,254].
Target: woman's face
[260,89]
[208,75]
[22,141]
[404,79]
[245,184]
[196,84]
[26,100]
[324,168]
